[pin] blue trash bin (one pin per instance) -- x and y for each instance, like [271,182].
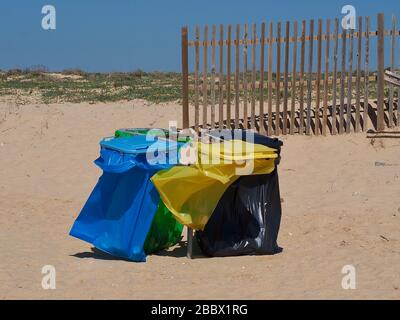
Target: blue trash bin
[118,214]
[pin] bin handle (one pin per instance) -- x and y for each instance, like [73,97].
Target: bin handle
[118,168]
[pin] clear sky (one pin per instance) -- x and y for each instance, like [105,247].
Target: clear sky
[125,35]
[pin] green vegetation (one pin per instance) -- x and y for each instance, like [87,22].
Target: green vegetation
[78,86]
[75,86]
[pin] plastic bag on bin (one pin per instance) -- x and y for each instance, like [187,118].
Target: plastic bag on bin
[165,230]
[248,136]
[191,193]
[246,219]
[119,212]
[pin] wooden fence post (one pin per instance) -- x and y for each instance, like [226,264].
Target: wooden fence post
[270,40]
[196,80]
[318,84]
[189,250]
[286,79]
[213,74]
[262,48]
[342,81]
[358,81]
[228,78]
[205,68]
[381,72]
[366,75]
[185,79]
[221,78]
[253,78]
[392,69]
[185,108]
[302,57]
[350,80]
[294,66]
[278,79]
[309,83]
[334,85]
[326,78]
[237,74]
[245,78]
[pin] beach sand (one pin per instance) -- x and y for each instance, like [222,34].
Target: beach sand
[339,208]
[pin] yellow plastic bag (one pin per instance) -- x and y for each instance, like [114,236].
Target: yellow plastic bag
[192,192]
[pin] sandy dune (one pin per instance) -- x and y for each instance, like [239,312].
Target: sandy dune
[339,208]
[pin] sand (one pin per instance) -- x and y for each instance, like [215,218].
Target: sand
[339,208]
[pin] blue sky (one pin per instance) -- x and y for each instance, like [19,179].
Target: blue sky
[125,35]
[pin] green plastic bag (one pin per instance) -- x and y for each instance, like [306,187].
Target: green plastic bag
[165,230]
[123,133]
[129,132]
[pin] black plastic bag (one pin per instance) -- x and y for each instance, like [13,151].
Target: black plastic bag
[246,220]
[243,135]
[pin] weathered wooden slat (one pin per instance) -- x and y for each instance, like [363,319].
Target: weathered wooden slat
[391,80]
[278,82]
[270,32]
[245,82]
[294,66]
[372,78]
[398,90]
[196,81]
[205,68]
[237,75]
[286,77]
[326,77]
[221,78]
[366,77]
[334,85]
[398,94]
[253,79]
[358,82]
[318,89]
[381,73]
[392,74]
[213,67]
[309,88]
[392,58]
[228,79]
[262,49]
[291,39]
[185,78]
[342,82]
[349,82]
[302,55]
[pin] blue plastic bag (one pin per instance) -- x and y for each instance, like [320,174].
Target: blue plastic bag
[118,214]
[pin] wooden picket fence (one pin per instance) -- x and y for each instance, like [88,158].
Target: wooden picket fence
[275,86]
